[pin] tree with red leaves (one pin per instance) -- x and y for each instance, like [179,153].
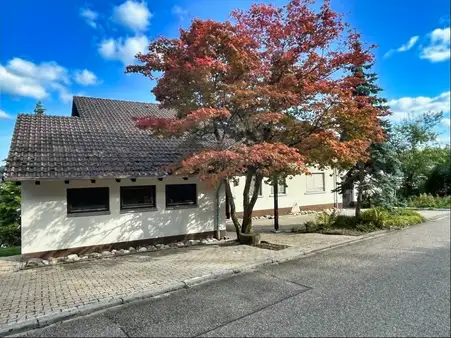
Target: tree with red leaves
[271,91]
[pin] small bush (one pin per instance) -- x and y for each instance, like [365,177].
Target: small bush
[400,221]
[405,212]
[344,221]
[375,216]
[371,220]
[312,226]
[9,235]
[429,201]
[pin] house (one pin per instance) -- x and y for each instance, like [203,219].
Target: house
[300,192]
[93,181]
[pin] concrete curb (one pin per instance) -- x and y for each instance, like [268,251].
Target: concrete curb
[42,321]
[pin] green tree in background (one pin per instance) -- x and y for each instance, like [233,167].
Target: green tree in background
[9,213]
[39,108]
[438,181]
[414,139]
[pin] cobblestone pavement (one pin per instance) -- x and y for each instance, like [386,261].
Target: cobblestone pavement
[29,294]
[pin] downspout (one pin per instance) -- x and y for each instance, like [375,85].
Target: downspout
[335,189]
[217,211]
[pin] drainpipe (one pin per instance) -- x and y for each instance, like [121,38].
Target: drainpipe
[217,211]
[335,189]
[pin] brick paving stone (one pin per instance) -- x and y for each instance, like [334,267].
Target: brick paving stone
[35,292]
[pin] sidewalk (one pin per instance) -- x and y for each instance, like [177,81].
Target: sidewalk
[37,297]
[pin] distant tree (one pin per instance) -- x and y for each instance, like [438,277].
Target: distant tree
[413,140]
[9,214]
[438,180]
[39,108]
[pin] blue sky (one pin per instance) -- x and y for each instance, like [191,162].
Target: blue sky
[53,49]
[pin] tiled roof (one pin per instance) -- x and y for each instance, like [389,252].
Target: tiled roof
[99,140]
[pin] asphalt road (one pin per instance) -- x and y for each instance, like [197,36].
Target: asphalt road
[394,285]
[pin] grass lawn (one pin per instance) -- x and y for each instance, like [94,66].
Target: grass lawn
[11,251]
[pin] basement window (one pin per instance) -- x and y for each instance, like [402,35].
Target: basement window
[135,197]
[88,200]
[181,195]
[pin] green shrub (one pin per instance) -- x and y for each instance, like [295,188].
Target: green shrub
[405,212]
[344,221]
[9,235]
[327,219]
[370,220]
[429,201]
[312,226]
[307,226]
[366,227]
[401,221]
[375,216]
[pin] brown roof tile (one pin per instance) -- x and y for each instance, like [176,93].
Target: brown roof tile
[99,140]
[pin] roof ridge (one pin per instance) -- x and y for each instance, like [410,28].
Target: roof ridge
[44,116]
[116,100]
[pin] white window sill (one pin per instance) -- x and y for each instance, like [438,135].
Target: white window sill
[137,210]
[89,213]
[314,192]
[272,195]
[177,207]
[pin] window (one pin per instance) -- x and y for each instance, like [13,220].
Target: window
[281,189]
[315,182]
[88,200]
[138,197]
[181,195]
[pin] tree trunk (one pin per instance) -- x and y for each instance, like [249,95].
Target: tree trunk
[235,221]
[276,205]
[248,204]
[227,207]
[358,204]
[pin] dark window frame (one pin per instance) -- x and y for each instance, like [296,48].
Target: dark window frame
[153,191]
[71,194]
[180,204]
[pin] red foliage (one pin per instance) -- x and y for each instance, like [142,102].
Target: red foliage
[266,158]
[273,88]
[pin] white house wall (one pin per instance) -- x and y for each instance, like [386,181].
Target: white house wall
[46,225]
[296,194]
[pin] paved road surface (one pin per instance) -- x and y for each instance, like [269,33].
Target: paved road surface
[395,285]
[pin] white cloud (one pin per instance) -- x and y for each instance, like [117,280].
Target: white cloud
[133,15]
[46,71]
[446,122]
[123,50]
[21,86]
[180,12]
[90,16]
[438,48]
[21,77]
[63,93]
[4,115]
[412,41]
[405,47]
[85,77]
[416,105]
